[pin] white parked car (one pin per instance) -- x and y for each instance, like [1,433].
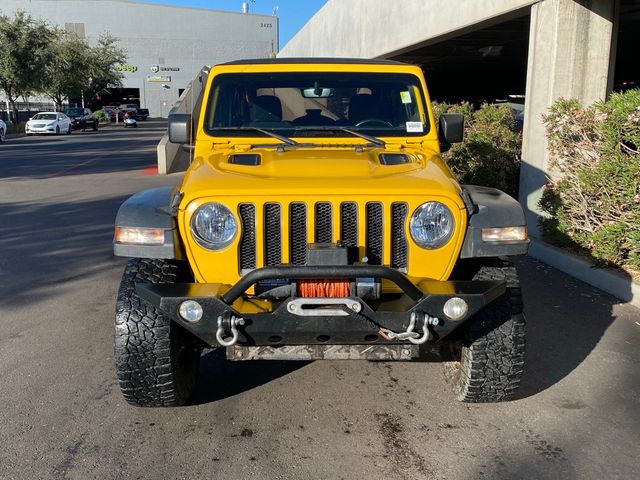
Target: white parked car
[48,122]
[3,130]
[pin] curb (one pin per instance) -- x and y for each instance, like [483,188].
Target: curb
[615,283]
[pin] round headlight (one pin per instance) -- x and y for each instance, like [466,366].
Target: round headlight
[431,225]
[213,226]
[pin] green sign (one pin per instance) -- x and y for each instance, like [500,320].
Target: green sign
[127,68]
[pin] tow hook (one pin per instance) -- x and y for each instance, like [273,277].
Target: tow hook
[228,323]
[409,334]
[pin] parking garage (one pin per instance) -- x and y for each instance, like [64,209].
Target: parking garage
[493,50]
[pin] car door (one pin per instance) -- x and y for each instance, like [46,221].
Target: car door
[64,121]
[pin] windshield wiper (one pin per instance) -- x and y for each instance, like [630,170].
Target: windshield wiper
[283,139]
[374,140]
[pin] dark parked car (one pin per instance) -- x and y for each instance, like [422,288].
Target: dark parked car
[82,118]
[114,113]
[142,113]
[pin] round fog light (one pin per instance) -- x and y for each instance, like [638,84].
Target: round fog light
[191,311]
[455,308]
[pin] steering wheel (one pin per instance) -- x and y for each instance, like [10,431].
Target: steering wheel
[375,121]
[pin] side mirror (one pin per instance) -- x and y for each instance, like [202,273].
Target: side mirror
[450,130]
[180,128]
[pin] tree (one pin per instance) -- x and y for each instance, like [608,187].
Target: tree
[104,59]
[24,53]
[69,69]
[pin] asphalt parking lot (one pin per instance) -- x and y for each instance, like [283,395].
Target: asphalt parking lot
[62,416]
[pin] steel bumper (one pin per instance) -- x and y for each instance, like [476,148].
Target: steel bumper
[346,321]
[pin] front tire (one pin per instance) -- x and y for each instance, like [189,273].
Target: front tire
[57,129]
[157,360]
[485,363]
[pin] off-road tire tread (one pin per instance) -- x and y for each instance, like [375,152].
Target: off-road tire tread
[156,359]
[493,344]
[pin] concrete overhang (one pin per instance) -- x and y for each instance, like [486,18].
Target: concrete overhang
[379,28]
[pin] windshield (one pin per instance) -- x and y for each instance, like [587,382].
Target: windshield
[77,112]
[45,116]
[316,104]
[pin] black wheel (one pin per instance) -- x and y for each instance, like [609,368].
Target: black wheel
[156,359]
[95,126]
[69,130]
[2,135]
[486,361]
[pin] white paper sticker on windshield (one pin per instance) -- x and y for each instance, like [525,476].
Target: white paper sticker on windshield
[405,97]
[415,127]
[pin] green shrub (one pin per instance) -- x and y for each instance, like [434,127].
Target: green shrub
[593,195]
[490,153]
[100,115]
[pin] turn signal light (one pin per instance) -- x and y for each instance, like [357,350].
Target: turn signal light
[139,236]
[505,234]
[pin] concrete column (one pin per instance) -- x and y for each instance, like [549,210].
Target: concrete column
[569,56]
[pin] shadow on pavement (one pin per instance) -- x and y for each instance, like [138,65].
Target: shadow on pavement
[220,378]
[43,246]
[565,321]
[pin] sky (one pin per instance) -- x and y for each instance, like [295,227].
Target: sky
[293,14]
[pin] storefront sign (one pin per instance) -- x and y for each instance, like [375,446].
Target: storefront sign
[158,68]
[127,68]
[158,78]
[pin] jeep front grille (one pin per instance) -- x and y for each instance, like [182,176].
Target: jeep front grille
[269,230]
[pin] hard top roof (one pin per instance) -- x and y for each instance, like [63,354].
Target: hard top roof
[314,60]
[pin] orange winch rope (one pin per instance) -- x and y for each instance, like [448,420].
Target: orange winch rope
[324,288]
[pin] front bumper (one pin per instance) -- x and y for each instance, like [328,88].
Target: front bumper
[40,130]
[338,322]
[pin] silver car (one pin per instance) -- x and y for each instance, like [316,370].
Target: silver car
[53,123]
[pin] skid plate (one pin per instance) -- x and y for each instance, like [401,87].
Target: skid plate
[324,352]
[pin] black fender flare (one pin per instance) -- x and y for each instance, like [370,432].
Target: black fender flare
[491,208]
[153,208]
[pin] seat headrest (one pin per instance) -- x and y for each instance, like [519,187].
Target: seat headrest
[266,108]
[361,107]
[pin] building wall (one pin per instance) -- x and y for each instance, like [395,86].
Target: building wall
[161,35]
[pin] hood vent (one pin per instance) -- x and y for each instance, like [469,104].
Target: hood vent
[250,159]
[394,158]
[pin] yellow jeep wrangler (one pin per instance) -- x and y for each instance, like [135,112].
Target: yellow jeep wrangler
[318,220]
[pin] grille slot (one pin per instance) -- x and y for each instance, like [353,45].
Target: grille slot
[399,246]
[247,246]
[373,241]
[272,234]
[375,215]
[349,224]
[323,223]
[298,233]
